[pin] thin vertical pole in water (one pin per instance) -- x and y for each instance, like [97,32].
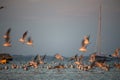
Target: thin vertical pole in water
[99,34]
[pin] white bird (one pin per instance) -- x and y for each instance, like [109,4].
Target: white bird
[83,47]
[7,42]
[7,38]
[116,53]
[22,39]
[29,42]
[7,34]
[85,42]
[58,56]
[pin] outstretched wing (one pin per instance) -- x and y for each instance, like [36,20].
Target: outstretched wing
[25,34]
[7,34]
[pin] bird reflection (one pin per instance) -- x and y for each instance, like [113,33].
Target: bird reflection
[83,47]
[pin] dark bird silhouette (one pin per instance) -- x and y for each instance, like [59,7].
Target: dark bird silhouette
[1,7]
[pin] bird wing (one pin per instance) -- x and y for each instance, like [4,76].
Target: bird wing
[25,34]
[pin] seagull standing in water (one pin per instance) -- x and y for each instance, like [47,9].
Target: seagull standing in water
[116,53]
[74,58]
[59,57]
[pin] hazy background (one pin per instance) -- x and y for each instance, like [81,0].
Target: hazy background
[58,26]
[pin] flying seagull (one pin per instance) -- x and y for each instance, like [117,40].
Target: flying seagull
[83,47]
[7,34]
[22,39]
[29,42]
[86,40]
[7,38]
[7,42]
[84,43]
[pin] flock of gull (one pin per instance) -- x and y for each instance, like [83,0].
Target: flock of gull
[22,39]
[77,60]
[29,41]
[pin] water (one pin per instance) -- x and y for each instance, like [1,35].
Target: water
[54,74]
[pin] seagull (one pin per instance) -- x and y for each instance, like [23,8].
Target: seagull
[74,58]
[58,56]
[29,42]
[7,42]
[7,34]
[85,42]
[83,47]
[7,38]
[59,67]
[116,53]
[22,40]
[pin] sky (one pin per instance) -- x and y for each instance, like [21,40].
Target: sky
[58,26]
